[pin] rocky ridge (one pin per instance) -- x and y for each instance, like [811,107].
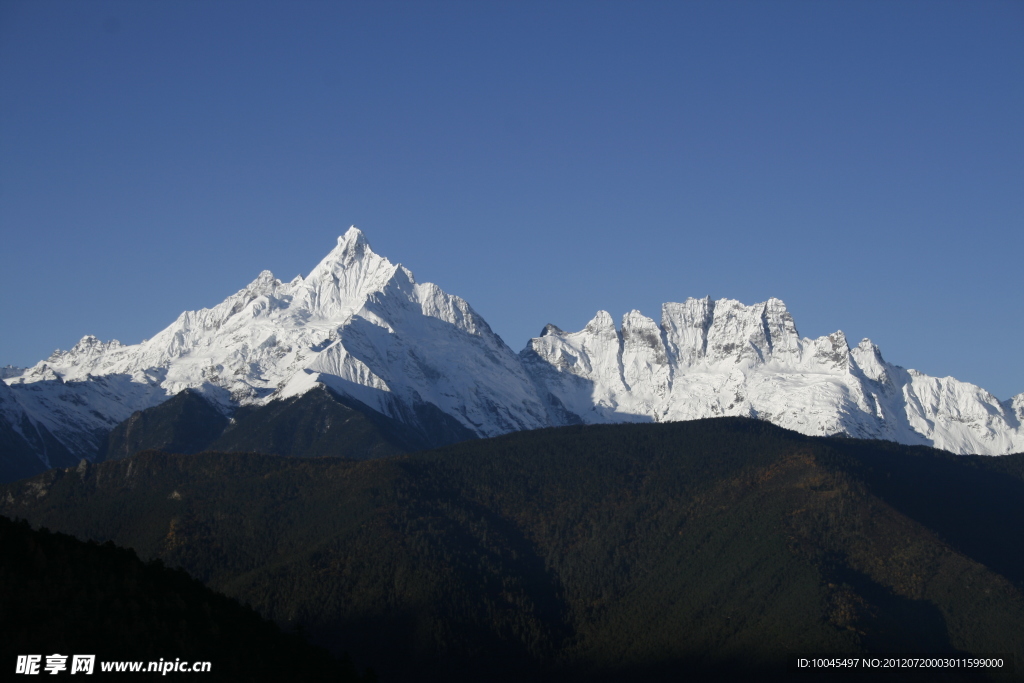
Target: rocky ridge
[713,358]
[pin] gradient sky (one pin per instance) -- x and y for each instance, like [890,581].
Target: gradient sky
[863,161]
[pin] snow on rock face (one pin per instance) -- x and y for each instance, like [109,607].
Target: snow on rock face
[960,417]
[9,371]
[1016,406]
[712,358]
[645,370]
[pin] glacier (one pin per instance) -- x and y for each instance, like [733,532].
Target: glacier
[363,327]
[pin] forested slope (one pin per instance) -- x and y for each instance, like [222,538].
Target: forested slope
[654,550]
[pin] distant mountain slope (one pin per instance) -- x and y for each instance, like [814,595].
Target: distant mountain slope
[364,328]
[628,551]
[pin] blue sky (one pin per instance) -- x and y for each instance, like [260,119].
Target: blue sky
[863,161]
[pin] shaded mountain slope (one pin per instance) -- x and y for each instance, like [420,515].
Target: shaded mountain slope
[632,550]
[26,447]
[316,424]
[185,423]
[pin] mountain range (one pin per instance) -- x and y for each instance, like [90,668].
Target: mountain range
[407,366]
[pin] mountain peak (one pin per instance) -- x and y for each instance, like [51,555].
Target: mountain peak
[353,242]
[352,248]
[349,272]
[91,344]
[602,321]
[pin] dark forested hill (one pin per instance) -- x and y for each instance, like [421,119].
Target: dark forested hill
[60,595]
[662,551]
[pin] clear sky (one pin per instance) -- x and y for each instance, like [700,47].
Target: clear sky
[863,161]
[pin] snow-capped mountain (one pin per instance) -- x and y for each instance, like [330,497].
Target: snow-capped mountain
[364,328]
[711,358]
[357,324]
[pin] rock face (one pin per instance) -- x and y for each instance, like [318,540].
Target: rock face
[364,328]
